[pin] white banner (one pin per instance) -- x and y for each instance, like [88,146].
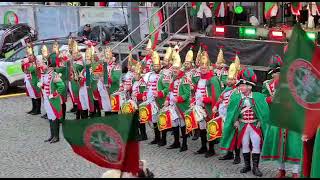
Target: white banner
[53,22]
[89,15]
[17,14]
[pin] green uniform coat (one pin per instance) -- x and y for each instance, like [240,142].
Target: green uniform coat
[260,108]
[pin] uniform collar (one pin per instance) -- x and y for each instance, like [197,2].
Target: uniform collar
[207,75]
[243,96]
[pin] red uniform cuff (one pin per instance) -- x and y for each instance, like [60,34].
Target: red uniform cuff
[180,99]
[160,94]
[207,100]
[139,96]
[269,100]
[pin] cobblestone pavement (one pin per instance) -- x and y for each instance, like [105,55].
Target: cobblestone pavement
[24,154]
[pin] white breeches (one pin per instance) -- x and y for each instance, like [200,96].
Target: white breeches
[71,93]
[105,98]
[48,108]
[251,135]
[178,123]
[204,9]
[83,98]
[295,167]
[202,124]
[30,89]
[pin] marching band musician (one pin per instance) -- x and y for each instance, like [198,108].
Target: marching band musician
[128,78]
[155,93]
[62,68]
[221,68]
[138,88]
[85,102]
[52,89]
[73,85]
[207,91]
[31,78]
[222,104]
[112,74]
[147,61]
[178,101]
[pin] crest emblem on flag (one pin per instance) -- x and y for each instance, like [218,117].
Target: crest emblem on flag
[164,120]
[105,142]
[145,113]
[214,129]
[115,103]
[188,121]
[304,84]
[127,108]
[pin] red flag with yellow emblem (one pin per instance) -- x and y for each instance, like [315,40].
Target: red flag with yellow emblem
[145,113]
[115,103]
[190,121]
[214,129]
[165,121]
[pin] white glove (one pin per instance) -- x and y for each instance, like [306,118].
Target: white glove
[304,138]
[258,125]
[39,84]
[236,124]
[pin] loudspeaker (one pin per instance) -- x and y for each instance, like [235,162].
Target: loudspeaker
[231,31]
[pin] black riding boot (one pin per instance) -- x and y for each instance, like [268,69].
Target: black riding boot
[211,151]
[74,108]
[247,165]
[208,21]
[51,132]
[237,159]
[56,131]
[109,113]
[227,156]
[196,134]
[97,109]
[176,142]
[33,106]
[143,132]
[78,114]
[64,109]
[156,134]
[45,116]
[163,140]
[37,107]
[184,146]
[255,164]
[84,114]
[203,137]
[199,24]
[92,114]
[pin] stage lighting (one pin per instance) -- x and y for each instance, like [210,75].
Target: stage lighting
[238,9]
[218,31]
[248,32]
[277,35]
